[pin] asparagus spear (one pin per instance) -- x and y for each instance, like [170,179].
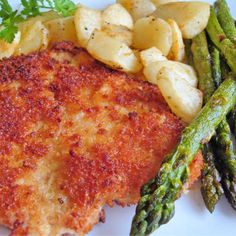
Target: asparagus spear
[232,115]
[228,181]
[216,66]
[223,138]
[232,118]
[225,70]
[225,19]
[210,182]
[226,147]
[156,206]
[188,53]
[211,188]
[220,40]
[202,63]
[223,134]
[228,25]
[226,162]
[229,185]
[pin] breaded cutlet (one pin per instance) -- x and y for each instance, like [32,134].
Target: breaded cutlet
[75,136]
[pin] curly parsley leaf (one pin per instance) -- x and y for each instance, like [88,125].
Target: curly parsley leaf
[9,21]
[5,9]
[7,14]
[8,33]
[64,7]
[31,8]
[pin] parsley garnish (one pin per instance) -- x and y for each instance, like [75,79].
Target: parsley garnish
[9,18]
[64,7]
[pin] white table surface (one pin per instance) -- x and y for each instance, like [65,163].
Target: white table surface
[191,217]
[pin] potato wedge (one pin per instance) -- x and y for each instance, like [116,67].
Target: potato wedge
[184,100]
[8,49]
[151,55]
[192,17]
[177,51]
[151,32]
[137,54]
[192,75]
[120,33]
[184,72]
[62,29]
[116,14]
[44,17]
[138,8]
[112,52]
[160,2]
[33,38]
[86,21]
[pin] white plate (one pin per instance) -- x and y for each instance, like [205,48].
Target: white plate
[191,218]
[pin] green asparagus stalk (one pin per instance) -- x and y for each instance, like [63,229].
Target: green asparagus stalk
[226,162]
[188,53]
[232,118]
[211,188]
[225,19]
[225,70]
[202,64]
[228,180]
[210,182]
[223,134]
[220,40]
[229,185]
[228,25]
[226,147]
[223,138]
[216,66]
[156,206]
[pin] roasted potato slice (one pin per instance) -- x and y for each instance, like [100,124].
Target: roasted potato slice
[33,38]
[177,51]
[62,29]
[138,8]
[184,100]
[113,52]
[119,32]
[86,21]
[116,14]
[151,55]
[184,72]
[160,2]
[152,32]
[192,17]
[8,49]
[44,17]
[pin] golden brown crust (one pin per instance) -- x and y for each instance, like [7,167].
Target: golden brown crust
[74,136]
